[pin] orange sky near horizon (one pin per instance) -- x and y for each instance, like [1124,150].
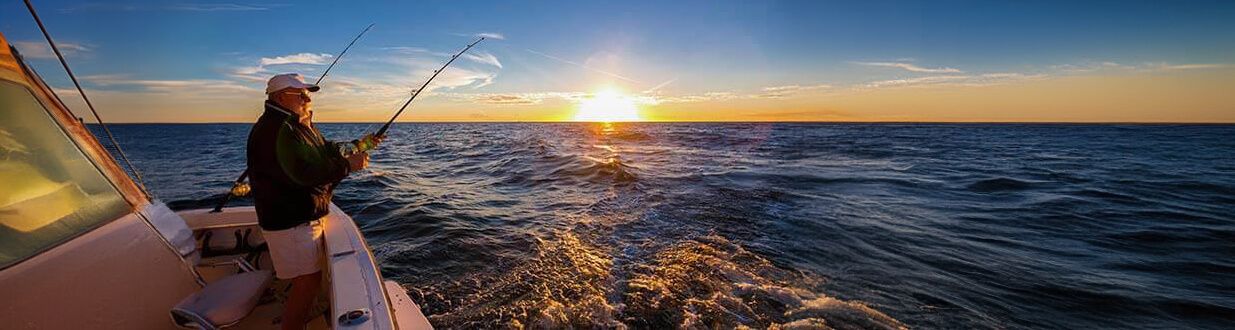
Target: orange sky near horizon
[1187,96]
[1200,97]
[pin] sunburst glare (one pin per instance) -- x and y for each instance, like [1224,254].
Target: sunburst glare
[607,105]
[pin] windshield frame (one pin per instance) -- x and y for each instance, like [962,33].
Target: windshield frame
[72,125]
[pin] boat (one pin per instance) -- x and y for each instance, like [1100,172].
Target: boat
[84,246]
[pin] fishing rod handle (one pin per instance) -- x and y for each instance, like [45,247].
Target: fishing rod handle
[363,144]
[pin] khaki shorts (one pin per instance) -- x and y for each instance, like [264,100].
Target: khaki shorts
[296,251]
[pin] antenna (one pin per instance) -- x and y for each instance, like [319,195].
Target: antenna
[140,182]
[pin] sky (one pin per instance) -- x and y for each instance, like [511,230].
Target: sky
[932,61]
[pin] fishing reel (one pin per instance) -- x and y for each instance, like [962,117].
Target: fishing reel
[241,189]
[364,144]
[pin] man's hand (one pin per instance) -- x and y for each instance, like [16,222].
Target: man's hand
[358,161]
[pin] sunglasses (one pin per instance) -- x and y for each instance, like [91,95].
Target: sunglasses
[303,95]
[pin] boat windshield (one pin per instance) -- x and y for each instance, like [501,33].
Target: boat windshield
[52,192]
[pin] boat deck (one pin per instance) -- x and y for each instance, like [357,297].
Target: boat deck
[267,313]
[352,280]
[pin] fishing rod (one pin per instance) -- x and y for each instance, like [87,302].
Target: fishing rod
[366,143]
[336,58]
[239,188]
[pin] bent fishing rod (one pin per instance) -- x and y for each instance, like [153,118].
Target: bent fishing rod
[382,131]
[367,142]
[238,186]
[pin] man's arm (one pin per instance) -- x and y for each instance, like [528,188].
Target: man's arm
[306,164]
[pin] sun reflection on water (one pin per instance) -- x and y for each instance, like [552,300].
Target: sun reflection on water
[607,152]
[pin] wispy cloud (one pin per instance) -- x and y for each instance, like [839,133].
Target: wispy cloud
[491,35]
[1091,66]
[40,49]
[486,35]
[771,92]
[483,58]
[999,78]
[913,81]
[219,7]
[459,77]
[1111,66]
[909,67]
[987,79]
[259,72]
[411,71]
[585,67]
[1205,66]
[656,88]
[702,97]
[143,100]
[506,99]
[406,49]
[200,7]
[415,51]
[1010,75]
[168,86]
[787,90]
[302,58]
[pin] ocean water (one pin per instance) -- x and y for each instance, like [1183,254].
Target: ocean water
[777,225]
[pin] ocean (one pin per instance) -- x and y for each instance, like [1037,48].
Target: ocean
[850,225]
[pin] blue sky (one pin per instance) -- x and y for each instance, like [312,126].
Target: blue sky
[563,50]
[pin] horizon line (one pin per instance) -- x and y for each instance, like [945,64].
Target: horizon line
[718,122]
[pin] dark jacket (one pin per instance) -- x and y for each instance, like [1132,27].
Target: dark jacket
[292,169]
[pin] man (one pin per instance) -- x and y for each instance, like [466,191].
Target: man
[293,171]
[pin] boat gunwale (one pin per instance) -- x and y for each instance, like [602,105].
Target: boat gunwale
[342,242]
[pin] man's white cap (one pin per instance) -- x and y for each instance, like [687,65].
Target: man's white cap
[288,80]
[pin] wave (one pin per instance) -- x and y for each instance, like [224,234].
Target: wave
[1107,195]
[592,169]
[999,185]
[630,136]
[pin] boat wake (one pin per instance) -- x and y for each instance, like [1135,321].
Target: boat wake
[707,281]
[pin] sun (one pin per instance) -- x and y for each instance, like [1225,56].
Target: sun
[607,105]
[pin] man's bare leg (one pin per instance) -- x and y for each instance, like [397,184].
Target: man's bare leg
[296,308]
